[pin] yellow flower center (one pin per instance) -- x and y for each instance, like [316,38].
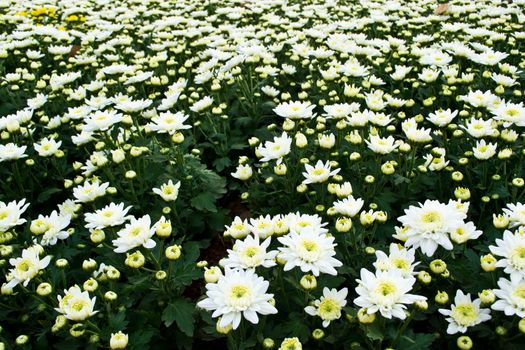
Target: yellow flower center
[4,214]
[329,309]
[520,292]
[464,314]
[386,288]
[431,217]
[517,258]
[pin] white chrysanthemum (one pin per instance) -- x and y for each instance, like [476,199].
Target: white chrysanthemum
[464,313]
[262,227]
[479,127]
[386,292]
[136,233]
[250,253]
[295,110]
[111,215]
[243,172]
[484,150]
[238,294]
[318,173]
[238,228]
[464,232]
[47,147]
[132,106]
[310,251]
[10,214]
[168,191]
[12,151]
[349,206]
[381,145]
[442,117]
[399,258]
[276,149]
[169,123]
[54,227]
[298,222]
[429,225]
[101,120]
[329,306]
[26,267]
[512,249]
[480,99]
[511,297]
[516,214]
[202,104]
[76,304]
[89,191]
[510,113]
[340,110]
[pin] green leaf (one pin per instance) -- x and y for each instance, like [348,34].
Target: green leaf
[204,201]
[45,195]
[373,332]
[139,340]
[222,163]
[416,341]
[179,311]
[118,322]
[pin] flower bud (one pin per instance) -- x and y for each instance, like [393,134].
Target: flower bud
[22,339]
[135,260]
[424,277]
[308,282]
[300,140]
[521,325]
[441,297]
[487,296]
[223,330]
[464,343]
[421,305]
[343,224]
[77,330]
[438,266]
[118,340]
[89,265]
[268,343]
[90,285]
[488,262]
[212,274]
[318,334]
[164,229]
[44,289]
[61,263]
[97,236]
[173,252]
[364,317]
[110,296]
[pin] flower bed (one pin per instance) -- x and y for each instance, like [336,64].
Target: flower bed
[262,174]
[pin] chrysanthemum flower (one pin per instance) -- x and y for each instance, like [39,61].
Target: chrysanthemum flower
[511,296]
[386,292]
[27,266]
[238,294]
[464,313]
[111,215]
[329,306]
[318,173]
[512,249]
[250,253]
[76,304]
[136,233]
[10,214]
[310,251]
[429,225]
